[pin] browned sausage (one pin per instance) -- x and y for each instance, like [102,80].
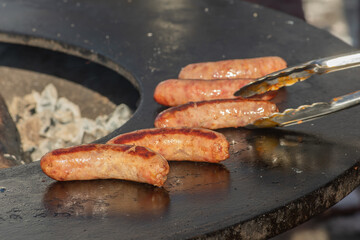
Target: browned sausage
[104,161]
[230,69]
[191,144]
[214,114]
[174,92]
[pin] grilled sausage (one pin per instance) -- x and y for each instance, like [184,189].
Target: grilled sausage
[191,144]
[214,114]
[174,92]
[104,161]
[230,69]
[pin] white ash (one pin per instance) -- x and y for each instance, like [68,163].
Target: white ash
[46,122]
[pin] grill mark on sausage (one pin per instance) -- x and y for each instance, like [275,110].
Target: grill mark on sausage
[81,148]
[137,135]
[136,151]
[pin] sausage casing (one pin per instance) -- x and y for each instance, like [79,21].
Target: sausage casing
[174,92]
[179,144]
[214,114]
[105,161]
[235,68]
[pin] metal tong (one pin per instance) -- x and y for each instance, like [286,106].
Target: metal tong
[292,75]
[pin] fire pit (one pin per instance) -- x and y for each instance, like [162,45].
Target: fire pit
[254,194]
[51,112]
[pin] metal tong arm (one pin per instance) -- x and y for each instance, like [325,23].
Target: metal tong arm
[336,63]
[307,113]
[292,75]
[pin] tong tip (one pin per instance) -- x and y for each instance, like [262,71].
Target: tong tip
[251,89]
[276,80]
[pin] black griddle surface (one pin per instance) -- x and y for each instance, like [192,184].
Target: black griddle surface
[274,180]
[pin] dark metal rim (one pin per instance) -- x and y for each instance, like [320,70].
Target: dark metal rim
[294,213]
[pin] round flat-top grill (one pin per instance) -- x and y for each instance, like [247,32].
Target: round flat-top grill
[274,179]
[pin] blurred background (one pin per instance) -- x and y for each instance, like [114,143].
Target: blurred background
[342,19]
[339,17]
